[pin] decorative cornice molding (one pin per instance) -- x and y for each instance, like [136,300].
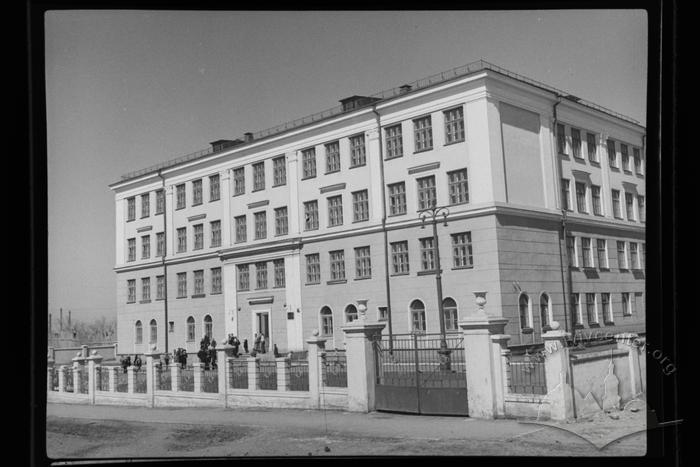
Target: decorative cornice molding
[257,204]
[145,228]
[337,186]
[260,300]
[196,218]
[423,168]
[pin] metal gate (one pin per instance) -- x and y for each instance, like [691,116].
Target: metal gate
[415,374]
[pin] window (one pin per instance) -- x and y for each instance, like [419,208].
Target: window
[544,310]
[278,265]
[357,150]
[260,225]
[215,280]
[427,254]
[634,256]
[637,160]
[427,197]
[612,156]
[394,142]
[259,176]
[360,206]
[131,244]
[154,332]
[602,249]
[449,310]
[181,240]
[243,277]
[261,275]
[581,198]
[313,269]
[561,139]
[524,310]
[238,181]
[190,329]
[641,206]
[350,313]
[215,227]
[326,322]
[399,257]
[454,125]
[622,256]
[308,160]
[279,171]
[417,316]
[586,252]
[462,250]
[595,198]
[130,209]
[335,210]
[383,313]
[591,146]
[423,134]
[311,215]
[160,244]
[576,301]
[625,157]
[198,236]
[626,305]
[146,289]
[363,263]
[160,201]
[337,265]
[145,205]
[606,308]
[196,192]
[571,251]
[241,228]
[576,142]
[281,223]
[145,247]
[459,189]
[617,213]
[208,326]
[181,284]
[138,332]
[332,157]
[629,205]
[591,312]
[397,198]
[214,191]
[160,287]
[565,204]
[131,291]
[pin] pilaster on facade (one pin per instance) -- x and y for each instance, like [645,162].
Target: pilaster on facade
[374,160]
[169,228]
[225,195]
[120,239]
[605,167]
[293,176]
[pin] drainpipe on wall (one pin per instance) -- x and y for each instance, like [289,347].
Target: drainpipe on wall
[165,268]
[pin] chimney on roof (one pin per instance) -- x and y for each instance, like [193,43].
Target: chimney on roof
[221,144]
[248,137]
[355,102]
[403,89]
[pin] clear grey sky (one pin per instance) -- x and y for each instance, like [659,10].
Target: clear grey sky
[128,89]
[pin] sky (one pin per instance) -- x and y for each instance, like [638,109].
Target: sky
[129,89]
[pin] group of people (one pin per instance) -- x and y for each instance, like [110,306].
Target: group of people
[127,362]
[259,344]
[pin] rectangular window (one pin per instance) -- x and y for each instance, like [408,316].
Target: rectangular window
[160,287]
[617,213]
[130,209]
[214,189]
[591,312]
[394,141]
[181,240]
[181,284]
[335,210]
[260,225]
[427,254]
[238,181]
[131,291]
[454,125]
[607,309]
[602,250]
[337,265]
[581,203]
[561,139]
[308,161]
[641,207]
[427,196]
[215,280]
[565,204]
[160,201]
[357,150]
[360,206]
[612,155]
[131,244]
[576,142]
[198,236]
[332,157]
[622,256]
[160,244]
[215,227]
[241,228]
[278,264]
[634,256]
[259,176]
[625,157]
[279,171]
[180,196]
[571,251]
[626,305]
[261,275]
[313,268]
[423,134]
[145,205]
[595,199]
[243,277]
[462,250]
[281,222]
[637,160]
[629,205]
[591,146]
[363,263]
[458,186]
[311,215]
[196,192]
[586,252]
[383,313]
[399,257]
[145,247]
[199,282]
[397,198]
[576,302]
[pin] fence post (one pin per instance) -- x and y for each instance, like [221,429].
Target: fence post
[50,364]
[112,372]
[222,360]
[316,345]
[92,361]
[151,356]
[556,366]
[283,370]
[253,373]
[174,376]
[197,373]
[501,374]
[361,371]
[76,376]
[130,379]
[625,341]
[62,378]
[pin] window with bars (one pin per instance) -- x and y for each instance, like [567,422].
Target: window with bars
[259,176]
[130,209]
[417,316]
[337,260]
[215,227]
[215,280]
[576,302]
[243,277]
[641,206]
[625,157]
[383,313]
[131,246]
[586,252]
[427,253]
[622,256]
[360,206]
[313,268]
[281,221]
[626,304]
[357,150]
[131,291]
[612,155]
[629,206]
[180,196]
[454,125]
[153,338]
[308,163]
[606,308]
[241,228]
[399,257]
[332,157]
[160,201]
[591,312]
[138,333]
[634,256]
[397,198]
[145,205]
[190,329]
[196,192]
[261,275]
[637,160]
[581,203]
[595,200]
[394,141]
[462,250]
[602,250]
[565,203]
[561,139]
[363,263]
[214,189]
[278,266]
[335,211]
[326,316]
[311,215]
[198,230]
[160,287]
[181,284]
[146,289]
[449,309]
[592,148]
[279,171]
[423,134]
[576,143]
[458,186]
[617,213]
[260,225]
[208,326]
[427,196]
[238,181]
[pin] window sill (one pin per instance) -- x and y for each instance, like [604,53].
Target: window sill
[180,208]
[422,150]
[457,268]
[158,213]
[360,220]
[400,274]
[578,326]
[199,295]
[279,287]
[609,323]
[214,199]
[281,234]
[145,217]
[546,328]
[616,169]
[358,165]
[627,171]
[332,172]
[182,296]
[624,270]
[215,293]
[308,177]
[331,226]
[145,257]
[133,301]
[215,246]
[337,281]
[594,324]
[311,230]
[260,238]
[238,194]
[159,299]
[145,301]
[426,273]
[579,158]
[257,289]
[243,290]
[131,220]
[362,278]
[526,330]
[312,283]
[196,204]
[397,214]
[237,242]
[582,212]
[606,269]
[279,184]
[454,142]
[393,157]
[594,163]
[258,189]
[458,204]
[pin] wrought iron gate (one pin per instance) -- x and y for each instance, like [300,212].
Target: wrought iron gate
[415,375]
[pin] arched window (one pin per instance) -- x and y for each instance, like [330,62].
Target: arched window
[417,315]
[449,308]
[544,309]
[207,326]
[326,321]
[154,332]
[350,313]
[524,307]
[190,329]
[139,332]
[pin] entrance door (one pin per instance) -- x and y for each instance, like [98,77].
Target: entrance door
[263,327]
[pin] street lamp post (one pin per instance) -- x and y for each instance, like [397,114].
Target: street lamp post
[432,215]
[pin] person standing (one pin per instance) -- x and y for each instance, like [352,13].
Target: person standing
[262,343]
